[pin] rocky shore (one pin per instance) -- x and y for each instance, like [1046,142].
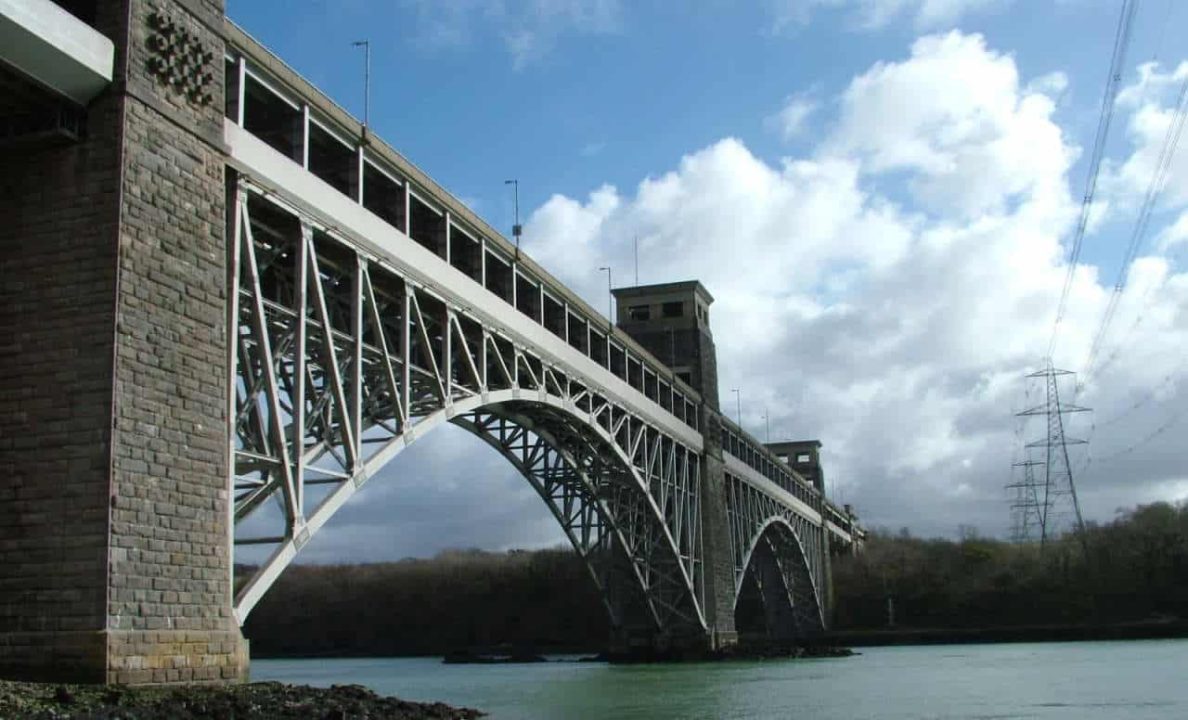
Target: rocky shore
[42,701]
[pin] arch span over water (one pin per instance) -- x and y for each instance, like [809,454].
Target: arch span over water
[341,362]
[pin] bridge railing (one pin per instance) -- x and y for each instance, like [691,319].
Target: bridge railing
[272,102]
[754,454]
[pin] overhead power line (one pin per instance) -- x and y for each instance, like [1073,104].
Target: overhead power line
[1167,425]
[1113,81]
[1158,180]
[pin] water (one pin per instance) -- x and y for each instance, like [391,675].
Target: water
[1140,679]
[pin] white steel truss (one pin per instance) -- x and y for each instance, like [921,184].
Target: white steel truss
[763,530]
[340,361]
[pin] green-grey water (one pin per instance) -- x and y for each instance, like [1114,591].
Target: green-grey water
[1141,679]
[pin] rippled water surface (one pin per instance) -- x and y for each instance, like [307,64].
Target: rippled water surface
[1142,679]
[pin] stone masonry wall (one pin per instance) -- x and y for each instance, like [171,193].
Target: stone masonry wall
[114,522]
[169,594]
[715,533]
[59,208]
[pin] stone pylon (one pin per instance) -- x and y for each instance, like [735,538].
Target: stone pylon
[114,525]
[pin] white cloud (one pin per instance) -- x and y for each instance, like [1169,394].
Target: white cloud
[875,14]
[792,120]
[592,149]
[528,29]
[1054,84]
[954,117]
[895,325]
[1151,102]
[899,325]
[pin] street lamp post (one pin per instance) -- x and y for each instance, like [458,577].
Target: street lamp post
[517,228]
[609,295]
[366,45]
[737,405]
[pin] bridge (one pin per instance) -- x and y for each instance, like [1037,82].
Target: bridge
[227,306]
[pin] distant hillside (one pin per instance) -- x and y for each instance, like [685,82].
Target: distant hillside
[1137,569]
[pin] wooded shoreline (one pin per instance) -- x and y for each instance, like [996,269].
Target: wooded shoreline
[1144,630]
[1126,579]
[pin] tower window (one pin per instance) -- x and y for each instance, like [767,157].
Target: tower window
[672,309]
[639,312]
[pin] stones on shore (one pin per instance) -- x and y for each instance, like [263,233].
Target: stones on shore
[250,701]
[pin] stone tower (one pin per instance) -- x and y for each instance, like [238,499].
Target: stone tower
[803,456]
[672,322]
[114,525]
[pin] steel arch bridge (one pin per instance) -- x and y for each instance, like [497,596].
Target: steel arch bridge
[359,324]
[232,306]
[341,363]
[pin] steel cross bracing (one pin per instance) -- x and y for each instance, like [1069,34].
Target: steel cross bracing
[603,510]
[340,362]
[795,543]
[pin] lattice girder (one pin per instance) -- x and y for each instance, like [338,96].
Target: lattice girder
[340,363]
[757,519]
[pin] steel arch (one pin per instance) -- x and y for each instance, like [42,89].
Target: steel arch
[797,587]
[339,363]
[599,501]
[795,543]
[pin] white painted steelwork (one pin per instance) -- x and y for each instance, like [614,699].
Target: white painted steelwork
[341,360]
[353,336]
[56,49]
[757,518]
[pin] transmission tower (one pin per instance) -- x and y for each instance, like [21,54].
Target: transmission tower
[1047,505]
[1025,514]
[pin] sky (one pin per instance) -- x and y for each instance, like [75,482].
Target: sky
[881,195]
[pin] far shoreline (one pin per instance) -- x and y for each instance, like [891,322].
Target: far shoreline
[1163,629]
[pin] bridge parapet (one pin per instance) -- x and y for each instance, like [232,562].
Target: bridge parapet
[275,104]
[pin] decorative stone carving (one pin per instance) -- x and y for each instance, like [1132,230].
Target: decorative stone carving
[179,59]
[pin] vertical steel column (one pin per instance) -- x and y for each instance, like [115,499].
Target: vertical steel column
[233,352]
[406,350]
[483,261]
[305,136]
[268,368]
[359,170]
[408,208]
[241,69]
[356,379]
[299,354]
[447,352]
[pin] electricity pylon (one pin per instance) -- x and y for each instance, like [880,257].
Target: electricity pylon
[1049,502]
[1025,515]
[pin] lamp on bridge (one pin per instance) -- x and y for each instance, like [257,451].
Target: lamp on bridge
[610,317]
[517,229]
[366,45]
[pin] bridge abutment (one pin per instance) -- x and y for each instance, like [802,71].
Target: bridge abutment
[115,529]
